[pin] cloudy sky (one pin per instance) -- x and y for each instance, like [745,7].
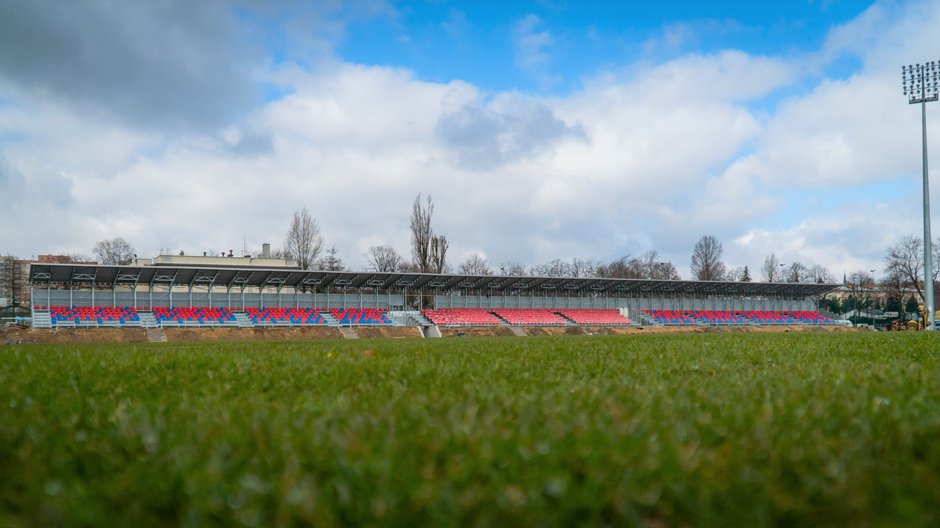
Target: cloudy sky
[546,129]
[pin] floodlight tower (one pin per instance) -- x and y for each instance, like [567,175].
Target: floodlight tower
[920,87]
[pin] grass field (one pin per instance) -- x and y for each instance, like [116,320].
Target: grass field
[703,430]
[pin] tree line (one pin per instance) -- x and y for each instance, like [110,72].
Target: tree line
[429,255]
[902,272]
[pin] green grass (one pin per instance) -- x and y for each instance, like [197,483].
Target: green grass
[704,430]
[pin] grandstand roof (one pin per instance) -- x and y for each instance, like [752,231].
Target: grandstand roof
[80,274]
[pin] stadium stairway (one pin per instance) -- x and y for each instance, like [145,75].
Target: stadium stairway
[328,317]
[502,320]
[348,332]
[646,320]
[147,320]
[155,334]
[42,319]
[408,318]
[242,320]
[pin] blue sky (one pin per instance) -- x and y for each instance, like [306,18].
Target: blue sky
[475,41]
[543,130]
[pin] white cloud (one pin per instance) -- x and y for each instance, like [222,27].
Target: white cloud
[845,239]
[531,43]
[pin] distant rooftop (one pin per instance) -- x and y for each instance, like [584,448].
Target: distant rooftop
[218,261]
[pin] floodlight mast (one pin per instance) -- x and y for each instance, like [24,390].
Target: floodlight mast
[920,87]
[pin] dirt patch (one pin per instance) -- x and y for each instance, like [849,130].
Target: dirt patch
[461,331]
[553,330]
[377,332]
[251,334]
[16,334]
[73,335]
[739,329]
[613,330]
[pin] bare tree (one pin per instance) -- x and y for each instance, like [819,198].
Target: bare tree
[383,258]
[80,258]
[331,261]
[584,267]
[113,251]
[649,266]
[512,269]
[554,268]
[861,278]
[655,268]
[906,259]
[622,268]
[733,274]
[664,270]
[303,242]
[897,283]
[706,259]
[439,246]
[475,264]
[421,233]
[820,275]
[771,268]
[796,272]
[408,267]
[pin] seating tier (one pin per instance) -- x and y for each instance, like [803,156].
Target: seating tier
[184,315]
[528,316]
[285,316]
[94,315]
[594,316]
[360,316]
[461,316]
[525,316]
[738,317]
[671,317]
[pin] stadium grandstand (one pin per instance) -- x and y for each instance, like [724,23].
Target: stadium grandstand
[172,293]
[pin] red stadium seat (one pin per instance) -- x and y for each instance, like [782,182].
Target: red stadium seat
[461,316]
[592,316]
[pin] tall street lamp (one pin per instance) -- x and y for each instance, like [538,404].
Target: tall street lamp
[920,87]
[871,300]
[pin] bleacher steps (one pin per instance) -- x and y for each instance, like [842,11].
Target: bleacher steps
[348,332]
[409,318]
[420,319]
[42,319]
[502,321]
[430,331]
[517,331]
[242,320]
[155,334]
[646,320]
[328,317]
[147,320]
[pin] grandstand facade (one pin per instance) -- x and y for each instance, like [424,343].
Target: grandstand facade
[247,296]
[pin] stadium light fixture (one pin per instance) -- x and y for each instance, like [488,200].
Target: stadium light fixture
[921,87]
